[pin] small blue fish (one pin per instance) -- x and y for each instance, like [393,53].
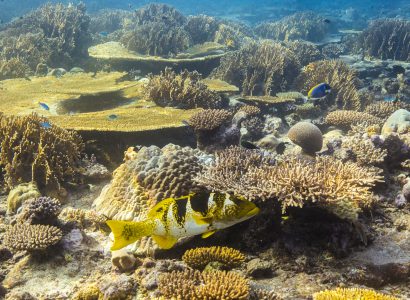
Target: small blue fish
[390,98]
[44,106]
[113,117]
[45,125]
[319,91]
[103,33]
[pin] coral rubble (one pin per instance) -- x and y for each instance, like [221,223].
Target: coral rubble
[198,258]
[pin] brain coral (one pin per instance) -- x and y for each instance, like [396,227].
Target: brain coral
[259,68]
[31,237]
[351,293]
[198,258]
[306,135]
[151,175]
[29,152]
[346,118]
[194,285]
[184,90]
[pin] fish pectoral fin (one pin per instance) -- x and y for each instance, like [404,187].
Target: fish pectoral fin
[208,234]
[164,242]
[201,220]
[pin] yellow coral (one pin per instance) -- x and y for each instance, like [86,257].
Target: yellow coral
[198,258]
[351,294]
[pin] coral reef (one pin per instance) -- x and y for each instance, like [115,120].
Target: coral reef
[259,294]
[342,79]
[364,151]
[306,52]
[49,157]
[19,194]
[42,210]
[109,20]
[250,110]
[386,39]
[351,293]
[209,119]
[344,119]
[184,90]
[82,218]
[199,258]
[31,237]
[306,135]
[123,260]
[218,285]
[302,25]
[264,68]
[383,109]
[201,28]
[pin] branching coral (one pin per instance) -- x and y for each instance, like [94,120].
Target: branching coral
[250,110]
[352,293]
[340,77]
[383,109]
[31,237]
[346,118]
[42,210]
[386,39]
[201,28]
[264,68]
[158,13]
[109,20]
[198,258]
[303,25]
[83,218]
[184,90]
[306,52]
[259,294]
[217,285]
[364,151]
[209,119]
[30,152]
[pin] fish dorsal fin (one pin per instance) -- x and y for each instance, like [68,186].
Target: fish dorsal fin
[201,220]
[208,234]
[164,242]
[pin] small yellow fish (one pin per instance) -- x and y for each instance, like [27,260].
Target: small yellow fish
[174,218]
[230,43]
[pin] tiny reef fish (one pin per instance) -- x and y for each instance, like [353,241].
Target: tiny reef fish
[319,91]
[103,33]
[44,106]
[174,218]
[112,117]
[45,125]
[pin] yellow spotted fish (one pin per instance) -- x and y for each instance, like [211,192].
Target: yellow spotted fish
[190,215]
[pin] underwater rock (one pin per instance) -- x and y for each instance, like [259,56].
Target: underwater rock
[307,136]
[59,72]
[19,194]
[117,286]
[406,191]
[72,241]
[400,201]
[399,122]
[268,142]
[124,260]
[258,268]
[5,254]
[76,70]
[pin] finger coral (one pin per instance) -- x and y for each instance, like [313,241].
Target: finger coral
[184,90]
[259,68]
[42,210]
[198,258]
[351,294]
[344,119]
[217,285]
[341,78]
[386,39]
[30,152]
[31,237]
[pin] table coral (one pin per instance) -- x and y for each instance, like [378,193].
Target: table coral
[351,294]
[29,152]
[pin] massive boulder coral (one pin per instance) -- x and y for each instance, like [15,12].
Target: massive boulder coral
[306,135]
[342,79]
[184,90]
[302,25]
[259,68]
[30,151]
[386,39]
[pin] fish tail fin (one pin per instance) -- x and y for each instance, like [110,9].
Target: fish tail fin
[128,232]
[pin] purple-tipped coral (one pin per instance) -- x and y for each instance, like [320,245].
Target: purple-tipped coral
[42,210]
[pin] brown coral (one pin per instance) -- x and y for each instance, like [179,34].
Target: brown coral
[259,294]
[201,28]
[306,52]
[340,77]
[351,293]
[83,218]
[29,152]
[31,237]
[264,68]
[306,135]
[194,285]
[198,258]
[184,90]
[346,118]
[383,109]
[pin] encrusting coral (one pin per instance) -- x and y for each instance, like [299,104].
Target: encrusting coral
[351,294]
[306,135]
[192,284]
[341,78]
[198,258]
[386,39]
[259,68]
[344,119]
[184,90]
[31,237]
[303,25]
[49,157]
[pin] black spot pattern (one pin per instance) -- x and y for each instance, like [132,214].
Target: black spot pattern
[199,203]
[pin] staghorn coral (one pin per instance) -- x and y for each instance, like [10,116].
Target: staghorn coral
[340,77]
[29,152]
[109,20]
[233,35]
[194,285]
[350,294]
[182,90]
[306,52]
[198,258]
[364,151]
[386,39]
[259,68]
[383,109]
[306,135]
[201,28]
[158,13]
[303,25]
[42,210]
[346,118]
[31,237]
